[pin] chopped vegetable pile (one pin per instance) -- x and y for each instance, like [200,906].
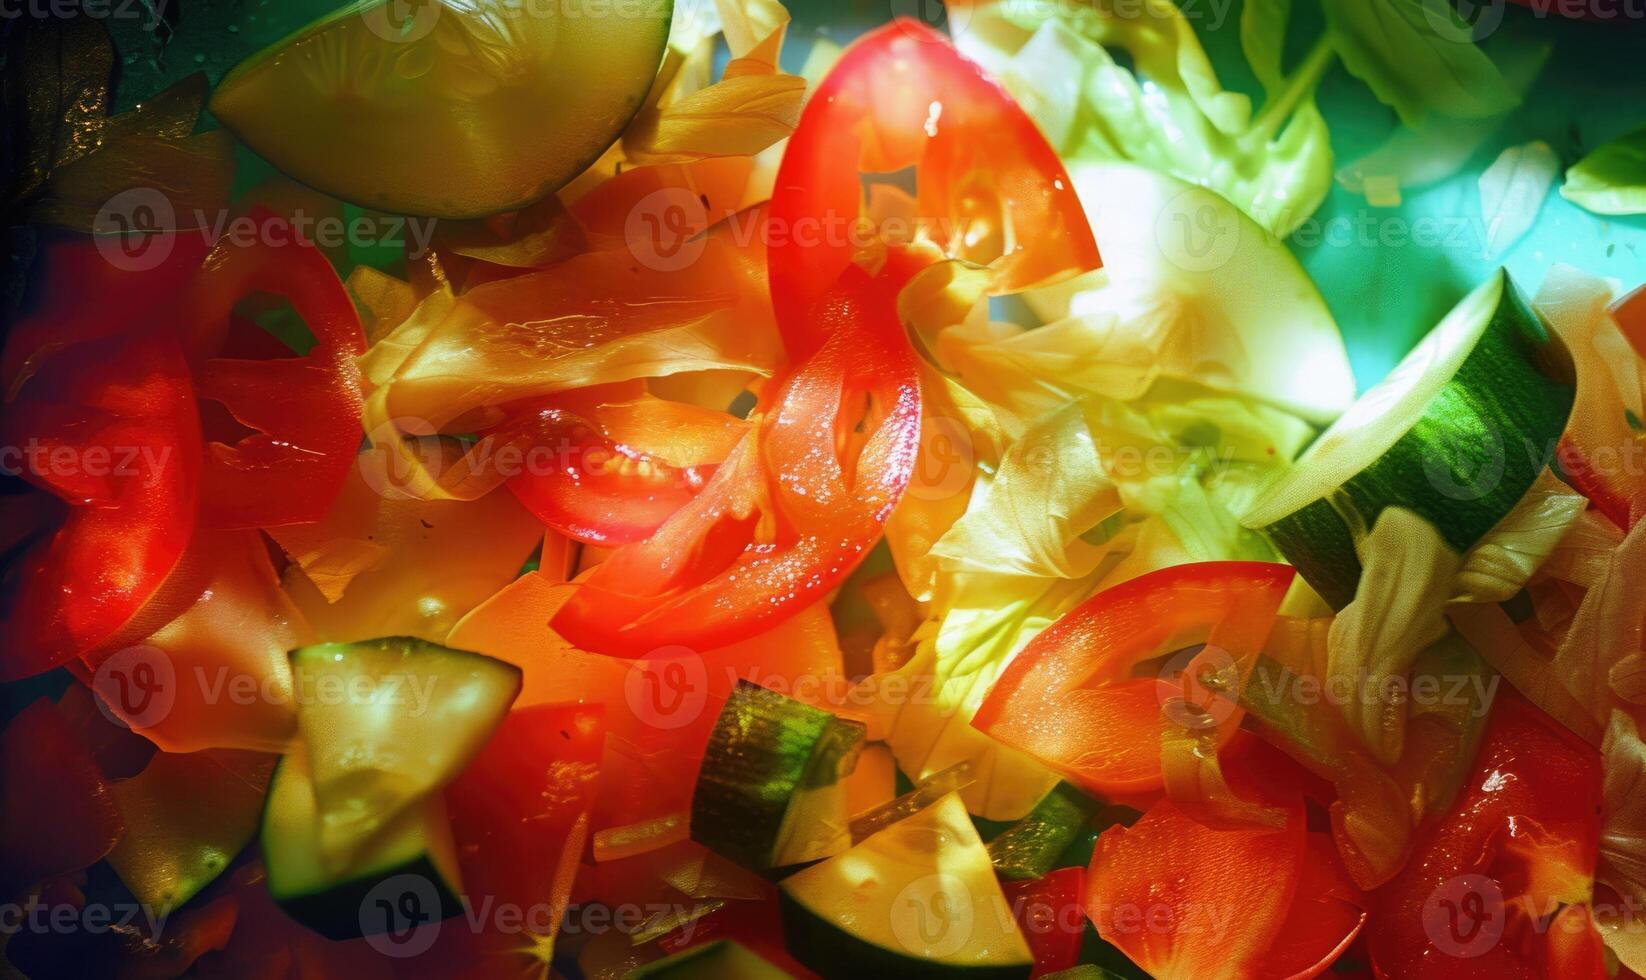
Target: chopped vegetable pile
[614,488]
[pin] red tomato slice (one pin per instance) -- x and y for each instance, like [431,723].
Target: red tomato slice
[613,474]
[57,812]
[520,817]
[1184,900]
[1325,918]
[111,430]
[789,515]
[1051,914]
[989,185]
[1522,839]
[305,410]
[1071,700]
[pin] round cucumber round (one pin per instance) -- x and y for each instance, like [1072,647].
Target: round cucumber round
[917,899]
[1457,433]
[445,108]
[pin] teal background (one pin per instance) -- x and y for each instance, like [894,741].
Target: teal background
[1385,288]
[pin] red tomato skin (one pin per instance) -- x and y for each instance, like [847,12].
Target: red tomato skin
[1527,827]
[119,442]
[1093,650]
[304,412]
[901,96]
[704,580]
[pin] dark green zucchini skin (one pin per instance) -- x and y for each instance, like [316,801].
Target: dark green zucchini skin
[1030,848]
[338,913]
[1479,445]
[836,954]
[765,752]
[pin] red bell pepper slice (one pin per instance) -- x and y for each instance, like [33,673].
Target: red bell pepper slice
[111,430]
[1182,899]
[1520,841]
[793,510]
[57,812]
[1051,914]
[1071,698]
[520,819]
[614,473]
[988,183]
[78,294]
[305,410]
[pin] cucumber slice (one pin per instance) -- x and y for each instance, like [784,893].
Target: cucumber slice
[772,788]
[723,959]
[1030,848]
[388,722]
[917,899]
[411,864]
[1456,433]
[449,108]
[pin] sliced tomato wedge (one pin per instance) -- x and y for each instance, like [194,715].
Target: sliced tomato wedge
[304,411]
[989,186]
[110,428]
[520,818]
[1520,842]
[1082,697]
[612,474]
[791,512]
[1182,899]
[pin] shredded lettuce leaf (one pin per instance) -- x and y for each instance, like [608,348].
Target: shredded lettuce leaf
[923,710]
[1174,300]
[753,106]
[1049,491]
[1407,575]
[1168,111]
[1611,179]
[1164,107]
[1411,579]
[1622,864]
